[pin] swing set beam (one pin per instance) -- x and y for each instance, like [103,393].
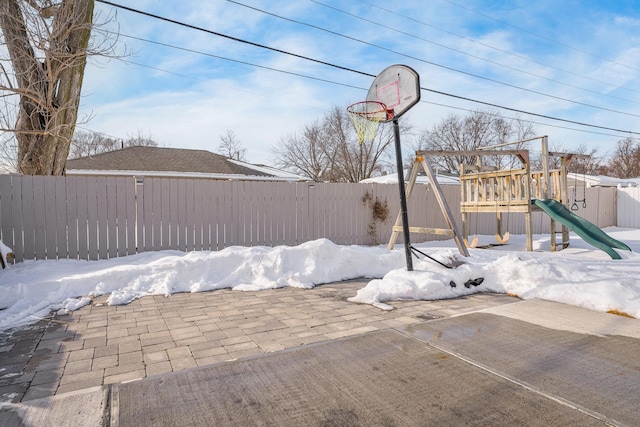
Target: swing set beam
[452,230]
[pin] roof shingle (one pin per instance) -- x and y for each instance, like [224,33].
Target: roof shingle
[162,159]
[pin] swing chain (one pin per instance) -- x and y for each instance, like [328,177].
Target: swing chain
[574,206]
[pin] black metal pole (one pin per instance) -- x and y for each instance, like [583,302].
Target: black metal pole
[403,197]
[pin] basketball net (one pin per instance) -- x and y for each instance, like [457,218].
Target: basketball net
[366,117]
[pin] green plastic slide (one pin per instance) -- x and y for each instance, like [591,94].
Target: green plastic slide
[583,228]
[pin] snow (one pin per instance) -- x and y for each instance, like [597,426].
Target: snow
[600,181]
[581,275]
[4,251]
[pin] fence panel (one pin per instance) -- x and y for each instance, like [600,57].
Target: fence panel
[145,215]
[38,204]
[302,228]
[199,238]
[125,197]
[103,223]
[99,218]
[6,212]
[82,215]
[628,213]
[352,227]
[206,217]
[597,205]
[59,210]
[256,236]
[72,217]
[287,213]
[111,217]
[93,233]
[607,207]
[224,214]
[325,212]
[377,226]
[265,195]
[157,214]
[23,202]
[215,217]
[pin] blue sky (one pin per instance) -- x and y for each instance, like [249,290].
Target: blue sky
[545,57]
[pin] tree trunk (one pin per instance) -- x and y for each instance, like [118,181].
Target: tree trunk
[49,82]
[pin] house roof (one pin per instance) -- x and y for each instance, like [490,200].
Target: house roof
[161,161]
[601,180]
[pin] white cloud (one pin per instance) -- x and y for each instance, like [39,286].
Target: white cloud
[622,69]
[262,106]
[627,21]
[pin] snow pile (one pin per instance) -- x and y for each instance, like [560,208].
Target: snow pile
[31,289]
[600,285]
[4,252]
[580,275]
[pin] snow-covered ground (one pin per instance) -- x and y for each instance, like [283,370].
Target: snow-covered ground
[580,275]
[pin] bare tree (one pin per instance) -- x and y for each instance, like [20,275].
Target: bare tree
[87,143]
[477,130]
[8,143]
[355,161]
[47,42]
[303,153]
[231,147]
[590,165]
[625,161]
[329,150]
[8,153]
[139,140]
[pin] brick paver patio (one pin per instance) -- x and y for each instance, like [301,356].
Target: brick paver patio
[100,344]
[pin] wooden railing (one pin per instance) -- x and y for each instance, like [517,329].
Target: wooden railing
[506,190]
[555,186]
[495,191]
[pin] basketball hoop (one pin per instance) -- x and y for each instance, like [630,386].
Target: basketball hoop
[366,116]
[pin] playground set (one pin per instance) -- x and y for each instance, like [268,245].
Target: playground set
[483,190]
[517,190]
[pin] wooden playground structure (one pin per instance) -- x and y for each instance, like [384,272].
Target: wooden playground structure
[497,191]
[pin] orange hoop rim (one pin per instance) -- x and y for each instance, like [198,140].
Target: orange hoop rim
[379,112]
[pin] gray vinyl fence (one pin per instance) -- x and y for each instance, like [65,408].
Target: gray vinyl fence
[82,217]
